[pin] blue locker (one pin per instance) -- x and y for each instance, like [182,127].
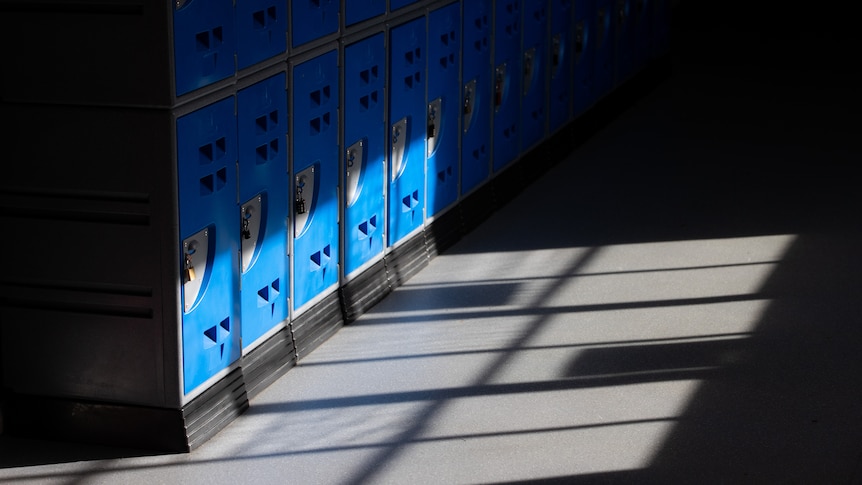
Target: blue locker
[261,27]
[263,195]
[476,94]
[313,19]
[584,56]
[209,240]
[534,51]
[507,81]
[365,148]
[625,41]
[605,51]
[560,64]
[444,61]
[396,4]
[356,11]
[204,43]
[315,176]
[407,129]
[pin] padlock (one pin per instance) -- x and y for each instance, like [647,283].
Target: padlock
[299,205]
[189,270]
[499,86]
[579,39]
[246,233]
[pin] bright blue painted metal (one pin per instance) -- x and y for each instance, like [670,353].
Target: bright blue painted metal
[204,43]
[444,108]
[406,172]
[206,157]
[263,193]
[261,27]
[315,173]
[476,94]
[364,151]
[506,82]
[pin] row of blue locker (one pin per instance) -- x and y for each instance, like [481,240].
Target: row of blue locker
[208,34]
[386,132]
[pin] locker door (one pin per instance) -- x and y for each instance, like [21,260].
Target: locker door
[315,177]
[583,49]
[561,64]
[476,99]
[356,11]
[444,60]
[605,47]
[407,129]
[209,240]
[261,27]
[506,82]
[204,43]
[534,53]
[263,183]
[365,142]
[313,19]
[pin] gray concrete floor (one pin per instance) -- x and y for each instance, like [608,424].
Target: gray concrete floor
[676,302]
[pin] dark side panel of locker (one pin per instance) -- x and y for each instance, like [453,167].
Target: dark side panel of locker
[136,37]
[81,301]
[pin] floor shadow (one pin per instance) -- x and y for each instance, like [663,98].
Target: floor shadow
[20,452]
